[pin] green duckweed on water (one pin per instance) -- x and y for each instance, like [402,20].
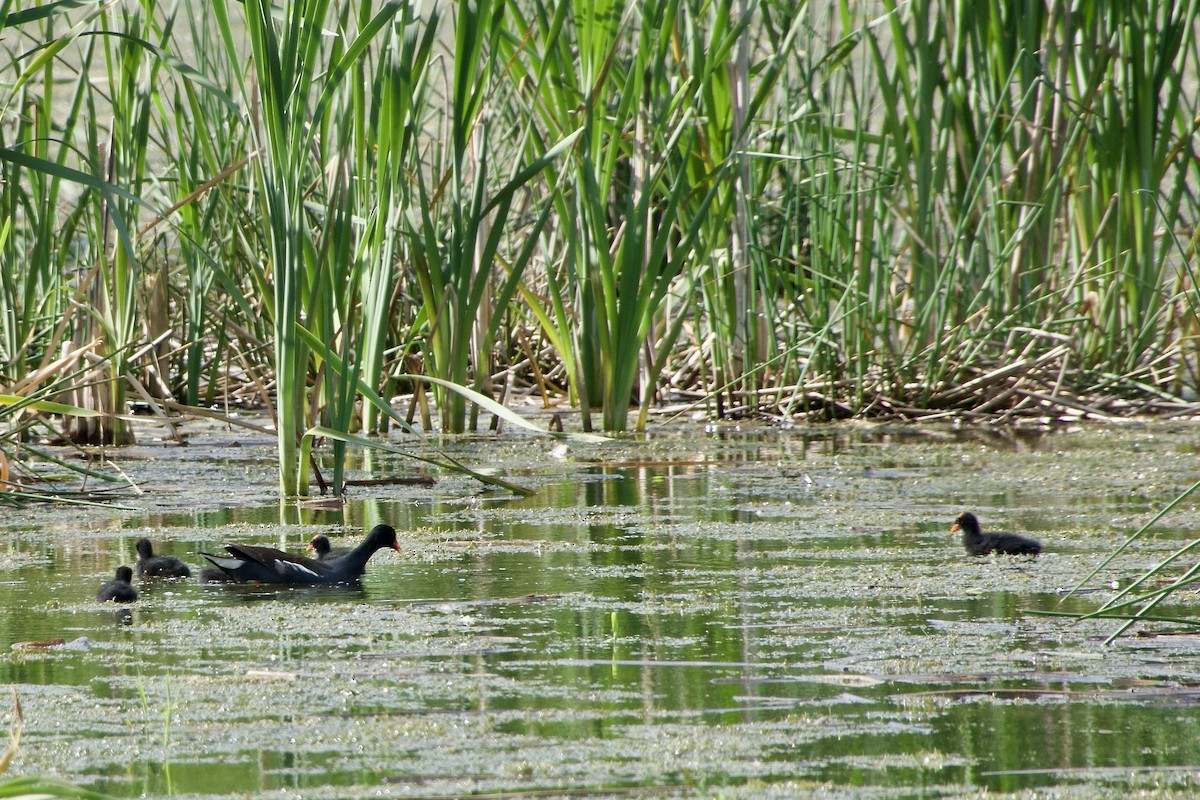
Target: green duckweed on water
[706,613]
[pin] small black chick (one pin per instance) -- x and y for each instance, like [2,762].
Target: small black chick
[320,545]
[214,575]
[981,544]
[118,589]
[152,566]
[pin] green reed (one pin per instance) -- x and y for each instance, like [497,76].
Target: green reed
[212,150]
[635,194]
[460,226]
[286,66]
[46,203]
[961,193]
[833,210]
[391,120]
[298,80]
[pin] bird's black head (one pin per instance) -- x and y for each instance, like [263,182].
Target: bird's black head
[384,536]
[966,523]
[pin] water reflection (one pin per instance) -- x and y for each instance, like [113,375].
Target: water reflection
[792,601]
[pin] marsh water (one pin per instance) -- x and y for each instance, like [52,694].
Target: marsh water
[708,611]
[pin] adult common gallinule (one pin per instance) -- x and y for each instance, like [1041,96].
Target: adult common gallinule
[981,544]
[320,545]
[250,564]
[118,589]
[152,566]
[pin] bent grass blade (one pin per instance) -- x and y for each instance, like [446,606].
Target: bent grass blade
[450,463]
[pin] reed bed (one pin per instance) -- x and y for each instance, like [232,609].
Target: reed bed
[903,210]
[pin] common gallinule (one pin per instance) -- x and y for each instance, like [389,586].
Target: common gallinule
[118,589]
[250,564]
[320,545]
[152,566]
[981,544]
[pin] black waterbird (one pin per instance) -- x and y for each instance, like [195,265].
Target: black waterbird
[982,544]
[251,564]
[152,566]
[118,589]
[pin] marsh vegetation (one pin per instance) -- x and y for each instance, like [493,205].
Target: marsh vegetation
[791,209]
[329,222]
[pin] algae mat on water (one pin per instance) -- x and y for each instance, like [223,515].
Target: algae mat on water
[706,613]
